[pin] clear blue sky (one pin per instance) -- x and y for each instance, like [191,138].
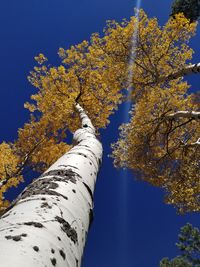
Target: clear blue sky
[132,226]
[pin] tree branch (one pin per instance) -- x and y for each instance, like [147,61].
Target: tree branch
[190,69]
[193,68]
[184,114]
[197,143]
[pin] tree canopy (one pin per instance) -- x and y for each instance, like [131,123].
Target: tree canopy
[95,73]
[165,144]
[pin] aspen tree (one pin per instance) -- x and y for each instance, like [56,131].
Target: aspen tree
[95,74]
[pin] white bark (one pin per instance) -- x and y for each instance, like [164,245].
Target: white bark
[193,68]
[184,114]
[48,224]
[195,144]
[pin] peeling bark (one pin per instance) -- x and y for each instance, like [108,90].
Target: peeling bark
[49,221]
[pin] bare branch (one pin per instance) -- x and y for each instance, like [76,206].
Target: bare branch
[190,69]
[197,143]
[27,156]
[180,125]
[184,114]
[4,181]
[193,68]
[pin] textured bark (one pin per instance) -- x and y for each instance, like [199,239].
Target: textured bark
[48,224]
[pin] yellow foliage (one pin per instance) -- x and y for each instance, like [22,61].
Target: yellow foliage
[98,70]
[4,204]
[40,59]
[156,147]
[9,162]
[150,144]
[48,154]
[39,142]
[96,73]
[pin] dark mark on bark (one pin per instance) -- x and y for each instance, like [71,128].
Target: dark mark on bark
[6,215]
[35,224]
[52,251]
[89,191]
[24,235]
[39,185]
[61,213]
[36,248]
[53,261]
[45,205]
[91,218]
[42,187]
[76,263]
[59,238]
[85,156]
[53,193]
[15,237]
[46,186]
[73,190]
[68,166]
[84,146]
[68,175]
[66,227]
[62,253]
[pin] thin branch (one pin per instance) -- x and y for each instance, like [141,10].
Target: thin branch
[167,137]
[27,156]
[145,52]
[180,125]
[142,67]
[3,182]
[190,69]
[195,144]
[184,114]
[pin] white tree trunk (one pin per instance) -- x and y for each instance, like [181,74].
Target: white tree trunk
[48,224]
[190,69]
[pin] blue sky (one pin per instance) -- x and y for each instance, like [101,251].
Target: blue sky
[132,226]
